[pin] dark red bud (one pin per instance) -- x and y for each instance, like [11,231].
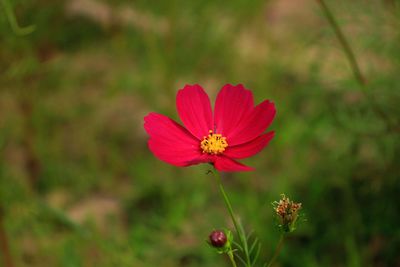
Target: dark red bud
[218,238]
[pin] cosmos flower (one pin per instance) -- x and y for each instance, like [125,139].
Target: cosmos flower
[235,131]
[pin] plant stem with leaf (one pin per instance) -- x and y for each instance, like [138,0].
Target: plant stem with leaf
[13,21]
[232,258]
[238,227]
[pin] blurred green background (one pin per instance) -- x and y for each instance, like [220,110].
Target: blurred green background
[78,186]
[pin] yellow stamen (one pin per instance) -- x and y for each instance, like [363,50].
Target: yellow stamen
[213,143]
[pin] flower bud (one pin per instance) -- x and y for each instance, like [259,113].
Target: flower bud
[218,238]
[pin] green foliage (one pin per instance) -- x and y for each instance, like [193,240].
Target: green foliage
[79,187]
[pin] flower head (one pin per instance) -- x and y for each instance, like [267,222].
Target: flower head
[287,213]
[234,131]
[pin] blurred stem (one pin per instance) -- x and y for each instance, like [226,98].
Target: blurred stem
[277,250]
[343,41]
[4,244]
[170,56]
[32,163]
[13,21]
[360,78]
[238,227]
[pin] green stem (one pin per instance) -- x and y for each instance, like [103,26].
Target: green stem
[343,41]
[232,258]
[354,64]
[238,227]
[13,21]
[277,250]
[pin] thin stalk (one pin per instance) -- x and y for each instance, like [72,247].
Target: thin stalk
[13,21]
[343,41]
[4,244]
[277,250]
[238,227]
[348,51]
[232,258]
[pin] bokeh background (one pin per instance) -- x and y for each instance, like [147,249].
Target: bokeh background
[78,186]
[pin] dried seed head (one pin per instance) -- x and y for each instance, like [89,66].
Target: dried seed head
[287,213]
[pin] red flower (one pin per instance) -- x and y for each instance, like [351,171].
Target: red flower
[236,130]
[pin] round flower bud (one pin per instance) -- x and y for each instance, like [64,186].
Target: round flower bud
[218,238]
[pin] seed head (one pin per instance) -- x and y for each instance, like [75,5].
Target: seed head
[287,213]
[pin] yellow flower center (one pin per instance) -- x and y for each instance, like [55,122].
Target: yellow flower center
[213,143]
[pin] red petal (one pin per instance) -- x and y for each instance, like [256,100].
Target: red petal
[232,105]
[229,165]
[253,125]
[194,109]
[170,142]
[250,148]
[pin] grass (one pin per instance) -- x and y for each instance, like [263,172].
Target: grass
[79,187]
